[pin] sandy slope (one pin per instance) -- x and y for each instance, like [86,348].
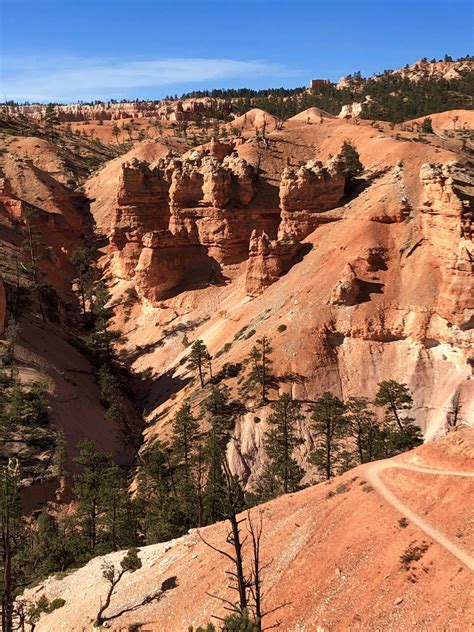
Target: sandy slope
[336,550]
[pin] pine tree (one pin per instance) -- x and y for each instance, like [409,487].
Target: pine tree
[329,425]
[185,448]
[260,372]
[163,515]
[197,359]
[103,336]
[116,132]
[365,429]
[219,411]
[280,442]
[82,260]
[51,118]
[402,433]
[118,518]
[351,160]
[89,489]
[129,564]
[11,539]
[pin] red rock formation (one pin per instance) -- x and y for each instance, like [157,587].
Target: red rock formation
[268,260]
[9,203]
[305,193]
[3,307]
[143,206]
[182,217]
[445,223]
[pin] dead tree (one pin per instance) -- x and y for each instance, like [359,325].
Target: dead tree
[130,563]
[453,418]
[247,583]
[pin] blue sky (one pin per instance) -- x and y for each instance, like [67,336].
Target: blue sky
[67,50]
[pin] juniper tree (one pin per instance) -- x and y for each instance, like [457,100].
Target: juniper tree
[329,425]
[280,441]
[197,359]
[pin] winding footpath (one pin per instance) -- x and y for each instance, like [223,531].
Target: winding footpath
[372,474]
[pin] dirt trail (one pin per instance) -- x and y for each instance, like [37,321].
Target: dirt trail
[373,471]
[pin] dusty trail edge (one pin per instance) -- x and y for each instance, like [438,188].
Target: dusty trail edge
[373,471]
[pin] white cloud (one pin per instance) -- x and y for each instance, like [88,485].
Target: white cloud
[70,79]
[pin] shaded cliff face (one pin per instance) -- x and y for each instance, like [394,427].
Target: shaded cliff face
[38,190]
[337,550]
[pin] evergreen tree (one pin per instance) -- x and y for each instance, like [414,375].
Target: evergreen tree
[103,336]
[197,359]
[82,260]
[329,425]
[351,160]
[427,126]
[163,515]
[51,118]
[89,489]
[186,451]
[365,429]
[218,410]
[260,372]
[12,538]
[280,442]
[116,132]
[49,549]
[119,512]
[402,433]
[31,248]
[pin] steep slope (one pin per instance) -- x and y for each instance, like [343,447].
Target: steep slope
[382,281]
[343,558]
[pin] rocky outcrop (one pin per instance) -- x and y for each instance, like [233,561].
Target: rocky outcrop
[445,224]
[307,192]
[183,218]
[9,203]
[166,110]
[268,260]
[3,307]
[143,206]
[346,290]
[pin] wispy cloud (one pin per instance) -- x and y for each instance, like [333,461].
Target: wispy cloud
[71,79]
